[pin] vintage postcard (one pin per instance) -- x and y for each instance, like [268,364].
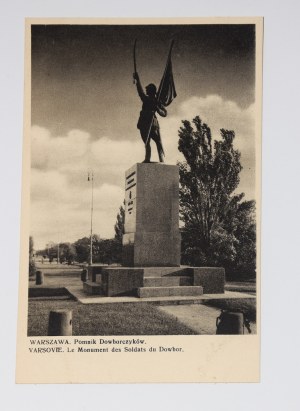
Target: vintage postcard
[140,237]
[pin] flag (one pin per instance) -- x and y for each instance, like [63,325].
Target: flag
[166,91]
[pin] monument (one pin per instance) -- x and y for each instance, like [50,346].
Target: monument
[151,243]
[151,240]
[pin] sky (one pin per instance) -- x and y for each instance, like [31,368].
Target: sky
[85,108]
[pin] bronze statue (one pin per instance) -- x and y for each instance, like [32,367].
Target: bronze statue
[148,123]
[154,102]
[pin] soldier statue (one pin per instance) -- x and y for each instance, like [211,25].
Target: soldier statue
[148,123]
[154,102]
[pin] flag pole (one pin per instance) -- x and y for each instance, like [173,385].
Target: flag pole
[92,208]
[134,58]
[160,89]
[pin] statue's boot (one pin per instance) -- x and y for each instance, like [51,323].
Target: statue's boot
[161,158]
[148,153]
[160,151]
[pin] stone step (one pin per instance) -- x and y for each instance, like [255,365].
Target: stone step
[167,281]
[165,271]
[146,292]
[92,288]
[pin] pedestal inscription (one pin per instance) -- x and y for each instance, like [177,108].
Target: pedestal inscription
[152,236]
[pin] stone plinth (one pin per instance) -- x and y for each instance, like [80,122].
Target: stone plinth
[212,279]
[92,288]
[119,281]
[156,281]
[152,237]
[93,270]
[190,291]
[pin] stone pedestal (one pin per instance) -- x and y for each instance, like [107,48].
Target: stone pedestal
[151,244]
[147,282]
[152,237]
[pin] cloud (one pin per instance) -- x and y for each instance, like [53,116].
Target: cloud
[61,195]
[66,217]
[217,113]
[60,192]
[48,152]
[76,153]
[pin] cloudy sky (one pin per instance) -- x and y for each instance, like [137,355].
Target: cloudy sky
[85,109]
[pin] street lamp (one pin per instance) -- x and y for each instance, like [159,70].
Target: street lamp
[91,178]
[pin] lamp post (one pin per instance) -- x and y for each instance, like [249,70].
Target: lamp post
[91,178]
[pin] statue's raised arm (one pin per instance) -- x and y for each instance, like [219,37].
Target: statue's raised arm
[139,87]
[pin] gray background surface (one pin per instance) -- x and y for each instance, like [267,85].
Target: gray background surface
[280,219]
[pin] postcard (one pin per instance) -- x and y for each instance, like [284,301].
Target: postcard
[140,236]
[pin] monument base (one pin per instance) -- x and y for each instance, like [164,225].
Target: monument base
[145,282]
[151,230]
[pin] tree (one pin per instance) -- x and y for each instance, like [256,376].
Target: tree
[83,246]
[119,226]
[52,251]
[32,267]
[67,252]
[119,231]
[109,251]
[218,226]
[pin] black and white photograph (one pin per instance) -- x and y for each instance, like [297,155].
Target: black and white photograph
[149,205]
[143,181]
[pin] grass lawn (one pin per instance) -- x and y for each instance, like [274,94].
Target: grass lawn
[114,319]
[246,305]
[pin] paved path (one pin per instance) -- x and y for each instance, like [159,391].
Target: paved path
[82,297]
[200,318]
[188,310]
